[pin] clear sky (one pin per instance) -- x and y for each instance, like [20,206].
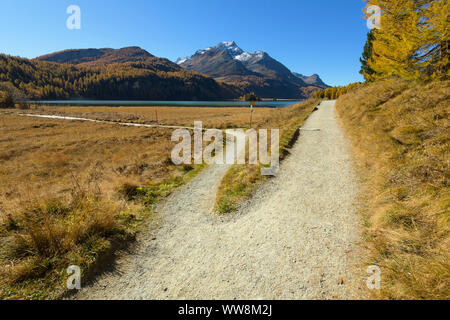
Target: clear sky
[308,36]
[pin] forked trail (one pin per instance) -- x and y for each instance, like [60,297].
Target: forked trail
[297,238]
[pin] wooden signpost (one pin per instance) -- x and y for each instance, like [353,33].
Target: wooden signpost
[252,104]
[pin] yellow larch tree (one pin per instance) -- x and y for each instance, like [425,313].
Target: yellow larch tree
[413,39]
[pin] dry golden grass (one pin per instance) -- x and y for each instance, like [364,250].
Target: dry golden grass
[44,157]
[72,192]
[241,180]
[219,118]
[60,200]
[400,133]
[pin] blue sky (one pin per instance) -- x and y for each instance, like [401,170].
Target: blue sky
[316,36]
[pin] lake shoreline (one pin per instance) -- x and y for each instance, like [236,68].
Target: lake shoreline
[136,103]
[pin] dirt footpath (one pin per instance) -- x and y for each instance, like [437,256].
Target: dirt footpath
[295,239]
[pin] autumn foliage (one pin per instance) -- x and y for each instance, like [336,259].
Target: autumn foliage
[413,40]
[335,92]
[151,79]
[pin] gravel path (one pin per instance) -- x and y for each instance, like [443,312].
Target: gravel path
[295,239]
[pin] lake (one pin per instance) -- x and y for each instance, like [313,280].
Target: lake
[218,104]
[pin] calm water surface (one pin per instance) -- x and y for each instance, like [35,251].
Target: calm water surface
[218,104]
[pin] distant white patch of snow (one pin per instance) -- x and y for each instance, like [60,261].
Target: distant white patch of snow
[259,54]
[182,60]
[244,56]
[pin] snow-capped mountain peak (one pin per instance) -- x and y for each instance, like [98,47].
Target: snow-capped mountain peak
[229,43]
[252,71]
[232,48]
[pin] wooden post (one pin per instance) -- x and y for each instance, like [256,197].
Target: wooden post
[252,103]
[156,115]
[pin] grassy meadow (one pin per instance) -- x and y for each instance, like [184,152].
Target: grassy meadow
[67,195]
[74,192]
[220,118]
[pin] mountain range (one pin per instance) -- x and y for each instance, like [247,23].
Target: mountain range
[221,72]
[257,71]
[128,73]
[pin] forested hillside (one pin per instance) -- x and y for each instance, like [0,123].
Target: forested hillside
[97,56]
[152,79]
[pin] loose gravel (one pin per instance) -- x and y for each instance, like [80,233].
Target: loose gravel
[296,238]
